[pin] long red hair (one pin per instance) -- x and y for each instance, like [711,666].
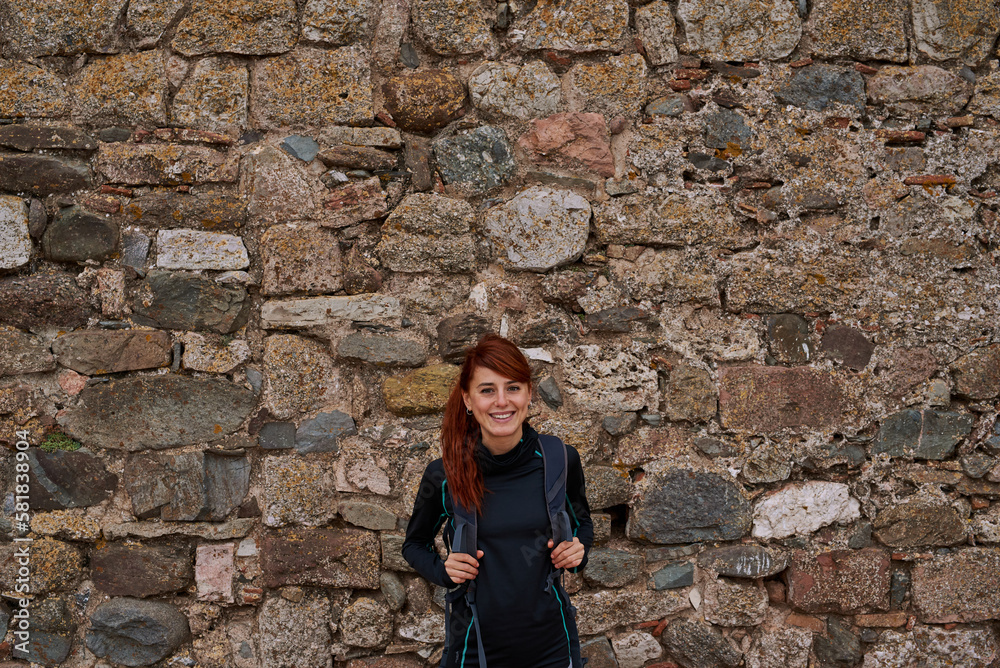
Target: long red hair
[460,432]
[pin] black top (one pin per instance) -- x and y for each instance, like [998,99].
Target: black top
[523,625]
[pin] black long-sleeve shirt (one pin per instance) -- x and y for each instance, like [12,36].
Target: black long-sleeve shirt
[523,625]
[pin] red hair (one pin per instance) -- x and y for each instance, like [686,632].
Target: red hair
[460,431]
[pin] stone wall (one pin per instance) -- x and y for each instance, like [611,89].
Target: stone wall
[749,246]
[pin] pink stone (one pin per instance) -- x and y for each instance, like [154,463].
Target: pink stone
[214,570]
[72,383]
[574,140]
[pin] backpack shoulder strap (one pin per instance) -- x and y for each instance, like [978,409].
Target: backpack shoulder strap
[466,528]
[555,462]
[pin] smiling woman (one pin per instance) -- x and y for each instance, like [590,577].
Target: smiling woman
[514,511]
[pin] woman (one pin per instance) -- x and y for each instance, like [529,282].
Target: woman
[492,464]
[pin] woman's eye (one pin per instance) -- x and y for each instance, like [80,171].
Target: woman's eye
[514,388]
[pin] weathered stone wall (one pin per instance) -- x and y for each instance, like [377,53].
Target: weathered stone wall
[749,246]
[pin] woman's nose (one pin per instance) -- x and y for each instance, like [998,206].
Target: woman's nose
[501,398]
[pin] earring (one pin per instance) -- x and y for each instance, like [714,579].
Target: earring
[468,412]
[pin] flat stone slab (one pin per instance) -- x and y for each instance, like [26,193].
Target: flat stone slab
[15,242]
[920,522]
[163,412]
[767,399]
[96,352]
[428,233]
[179,300]
[238,528]
[926,434]
[164,164]
[843,582]
[68,479]
[21,352]
[343,557]
[316,311]
[382,350]
[43,299]
[743,561]
[959,586]
[191,249]
[42,175]
[247,27]
[602,611]
[127,569]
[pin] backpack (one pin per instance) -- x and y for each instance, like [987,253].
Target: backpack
[555,463]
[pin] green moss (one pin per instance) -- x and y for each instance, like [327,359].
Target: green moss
[59,441]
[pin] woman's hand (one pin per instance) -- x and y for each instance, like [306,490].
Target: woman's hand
[461,566]
[567,554]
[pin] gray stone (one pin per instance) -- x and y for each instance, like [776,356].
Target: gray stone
[698,645]
[367,515]
[94,352]
[921,89]
[163,412]
[725,127]
[428,233]
[148,19]
[899,588]
[319,311]
[674,104]
[130,569]
[747,30]
[408,56]
[674,576]
[848,346]
[76,235]
[5,613]
[38,219]
[366,623]
[29,138]
[680,503]
[135,250]
[227,481]
[301,147]
[523,91]
[548,390]
[298,490]
[655,25]
[789,339]
[51,632]
[734,603]
[927,434]
[603,610]
[976,465]
[479,161]
[608,379]
[619,425]
[920,522]
[611,568]
[841,647]
[15,241]
[691,394]
[382,350]
[965,32]
[323,433]
[42,175]
[392,588]
[743,561]
[168,486]
[598,653]
[277,436]
[68,479]
[607,486]
[179,300]
[258,27]
[294,634]
[35,29]
[539,229]
[136,632]
[819,86]
[301,377]
[21,352]
[197,250]
[860,536]
[707,162]
[787,647]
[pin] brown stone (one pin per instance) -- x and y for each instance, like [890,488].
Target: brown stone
[615,87]
[977,374]
[129,569]
[965,31]
[424,101]
[341,557]
[42,299]
[841,582]
[38,28]
[575,141]
[856,29]
[207,209]
[31,91]
[300,258]
[958,587]
[458,333]
[691,394]
[919,89]
[769,399]
[107,351]
[357,157]
[214,96]
[164,164]
[129,89]
[21,352]
[909,368]
[419,392]
[900,136]
[848,346]
[250,27]
[354,202]
[41,175]
[920,523]
[28,137]
[311,87]
[886,620]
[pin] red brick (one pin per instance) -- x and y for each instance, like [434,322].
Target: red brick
[841,581]
[930,180]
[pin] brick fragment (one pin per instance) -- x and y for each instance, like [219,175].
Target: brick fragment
[900,136]
[886,620]
[689,73]
[678,85]
[960,121]
[801,63]
[930,180]
[864,69]
[806,622]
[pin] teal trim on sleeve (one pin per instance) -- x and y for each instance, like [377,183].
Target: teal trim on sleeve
[569,645]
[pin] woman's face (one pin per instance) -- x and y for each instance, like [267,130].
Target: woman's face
[499,405]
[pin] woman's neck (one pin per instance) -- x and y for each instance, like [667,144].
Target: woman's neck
[502,445]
